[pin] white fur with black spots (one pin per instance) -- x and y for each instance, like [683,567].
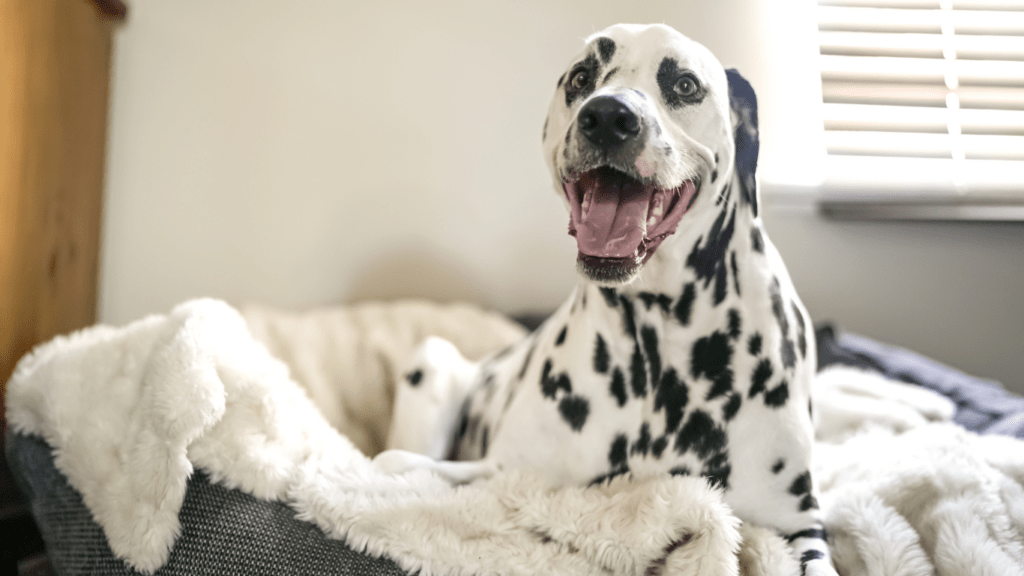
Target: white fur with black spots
[685,348]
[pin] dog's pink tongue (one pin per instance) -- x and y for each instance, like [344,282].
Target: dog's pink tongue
[614,220]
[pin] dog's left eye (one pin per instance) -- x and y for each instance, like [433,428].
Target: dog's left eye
[580,79]
[686,85]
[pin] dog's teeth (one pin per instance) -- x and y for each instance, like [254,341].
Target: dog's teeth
[651,222]
[658,204]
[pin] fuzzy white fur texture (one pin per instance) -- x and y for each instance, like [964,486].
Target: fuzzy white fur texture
[130,411]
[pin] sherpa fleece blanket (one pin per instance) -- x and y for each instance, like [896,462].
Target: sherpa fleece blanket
[131,411]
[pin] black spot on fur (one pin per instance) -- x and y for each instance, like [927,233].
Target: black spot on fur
[777,467]
[600,355]
[463,421]
[754,344]
[561,79]
[668,75]
[735,272]
[801,484]
[617,453]
[756,240]
[685,304]
[649,337]
[618,387]
[778,308]
[724,195]
[721,385]
[810,533]
[605,48]
[642,444]
[550,386]
[806,557]
[801,330]
[808,502]
[610,297]
[658,446]
[680,471]
[708,255]
[732,406]
[574,410]
[700,434]
[786,353]
[414,377]
[648,299]
[604,478]
[759,380]
[717,469]
[672,395]
[714,176]
[710,357]
[561,336]
[483,441]
[628,320]
[638,373]
[662,300]
[734,324]
[721,284]
[776,397]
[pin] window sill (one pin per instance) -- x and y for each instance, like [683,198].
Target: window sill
[857,203]
[925,208]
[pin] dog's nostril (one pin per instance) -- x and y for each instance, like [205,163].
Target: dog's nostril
[628,123]
[588,121]
[608,121]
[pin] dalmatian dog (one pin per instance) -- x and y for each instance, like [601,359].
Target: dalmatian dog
[684,349]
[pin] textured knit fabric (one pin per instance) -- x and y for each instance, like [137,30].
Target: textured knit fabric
[223,531]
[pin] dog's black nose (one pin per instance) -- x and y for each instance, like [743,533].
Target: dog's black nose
[608,121]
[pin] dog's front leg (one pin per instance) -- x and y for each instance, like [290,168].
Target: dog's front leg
[429,397]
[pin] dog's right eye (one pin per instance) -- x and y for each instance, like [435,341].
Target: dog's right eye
[580,79]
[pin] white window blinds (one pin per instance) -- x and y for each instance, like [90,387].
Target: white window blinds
[924,96]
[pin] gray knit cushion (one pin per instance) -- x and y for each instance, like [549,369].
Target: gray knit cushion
[223,531]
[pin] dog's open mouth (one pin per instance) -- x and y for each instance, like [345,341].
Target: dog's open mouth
[619,221]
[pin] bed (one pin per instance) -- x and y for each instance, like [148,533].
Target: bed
[900,426]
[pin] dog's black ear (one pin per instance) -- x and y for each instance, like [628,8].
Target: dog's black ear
[744,108]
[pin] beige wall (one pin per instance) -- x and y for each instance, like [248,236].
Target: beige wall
[953,291]
[319,151]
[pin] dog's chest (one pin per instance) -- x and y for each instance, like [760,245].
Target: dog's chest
[640,381]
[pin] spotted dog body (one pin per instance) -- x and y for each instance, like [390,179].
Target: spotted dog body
[684,349]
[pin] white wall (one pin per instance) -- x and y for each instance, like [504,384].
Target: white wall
[324,151]
[318,151]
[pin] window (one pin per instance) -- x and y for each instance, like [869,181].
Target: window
[923,102]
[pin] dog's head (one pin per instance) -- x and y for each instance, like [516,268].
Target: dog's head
[638,129]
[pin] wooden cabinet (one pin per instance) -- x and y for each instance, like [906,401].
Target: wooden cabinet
[54,77]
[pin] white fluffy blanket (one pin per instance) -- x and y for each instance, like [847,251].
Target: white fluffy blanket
[130,411]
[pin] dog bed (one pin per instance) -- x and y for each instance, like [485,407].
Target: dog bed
[211,442]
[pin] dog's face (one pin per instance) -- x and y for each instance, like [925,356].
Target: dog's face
[639,123]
